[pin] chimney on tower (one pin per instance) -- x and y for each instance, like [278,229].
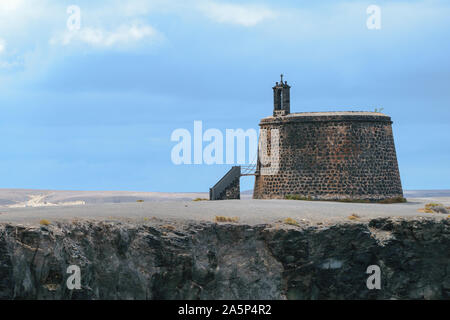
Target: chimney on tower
[281,98]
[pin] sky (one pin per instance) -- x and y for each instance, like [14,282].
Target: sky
[94,107]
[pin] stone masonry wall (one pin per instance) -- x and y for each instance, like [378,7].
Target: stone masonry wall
[332,158]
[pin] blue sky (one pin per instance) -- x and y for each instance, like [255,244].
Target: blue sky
[94,109]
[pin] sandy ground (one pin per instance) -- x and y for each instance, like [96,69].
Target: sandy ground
[249,211]
[23,198]
[17,198]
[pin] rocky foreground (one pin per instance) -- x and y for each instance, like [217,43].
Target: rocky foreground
[158,259]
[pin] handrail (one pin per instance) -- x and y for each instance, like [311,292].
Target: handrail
[249,170]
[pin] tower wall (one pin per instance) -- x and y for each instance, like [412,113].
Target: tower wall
[332,156]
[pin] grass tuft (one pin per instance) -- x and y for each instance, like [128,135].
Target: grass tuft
[297,197]
[393,200]
[291,222]
[44,222]
[200,199]
[226,219]
[354,216]
[348,200]
[434,207]
[425,210]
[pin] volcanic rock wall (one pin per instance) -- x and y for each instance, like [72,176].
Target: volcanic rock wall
[163,260]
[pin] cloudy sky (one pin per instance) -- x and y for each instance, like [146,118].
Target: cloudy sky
[94,108]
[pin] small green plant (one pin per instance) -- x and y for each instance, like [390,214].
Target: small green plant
[347,200]
[393,200]
[44,222]
[200,199]
[378,110]
[352,200]
[297,197]
[290,221]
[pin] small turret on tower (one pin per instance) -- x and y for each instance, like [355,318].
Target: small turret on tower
[281,98]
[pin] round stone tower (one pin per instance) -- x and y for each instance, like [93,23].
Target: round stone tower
[325,155]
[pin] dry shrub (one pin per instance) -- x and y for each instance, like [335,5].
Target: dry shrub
[168,227]
[393,200]
[44,222]
[434,207]
[297,197]
[226,219]
[347,200]
[290,221]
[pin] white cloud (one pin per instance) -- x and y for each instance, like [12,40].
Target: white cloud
[2,45]
[99,37]
[16,16]
[8,6]
[239,14]
[4,59]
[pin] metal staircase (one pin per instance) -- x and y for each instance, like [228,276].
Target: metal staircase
[217,192]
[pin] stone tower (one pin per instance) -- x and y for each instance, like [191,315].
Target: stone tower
[326,155]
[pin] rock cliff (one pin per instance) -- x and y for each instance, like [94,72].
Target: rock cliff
[159,259]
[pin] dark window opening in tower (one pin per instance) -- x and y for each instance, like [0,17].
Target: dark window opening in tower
[279,99]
